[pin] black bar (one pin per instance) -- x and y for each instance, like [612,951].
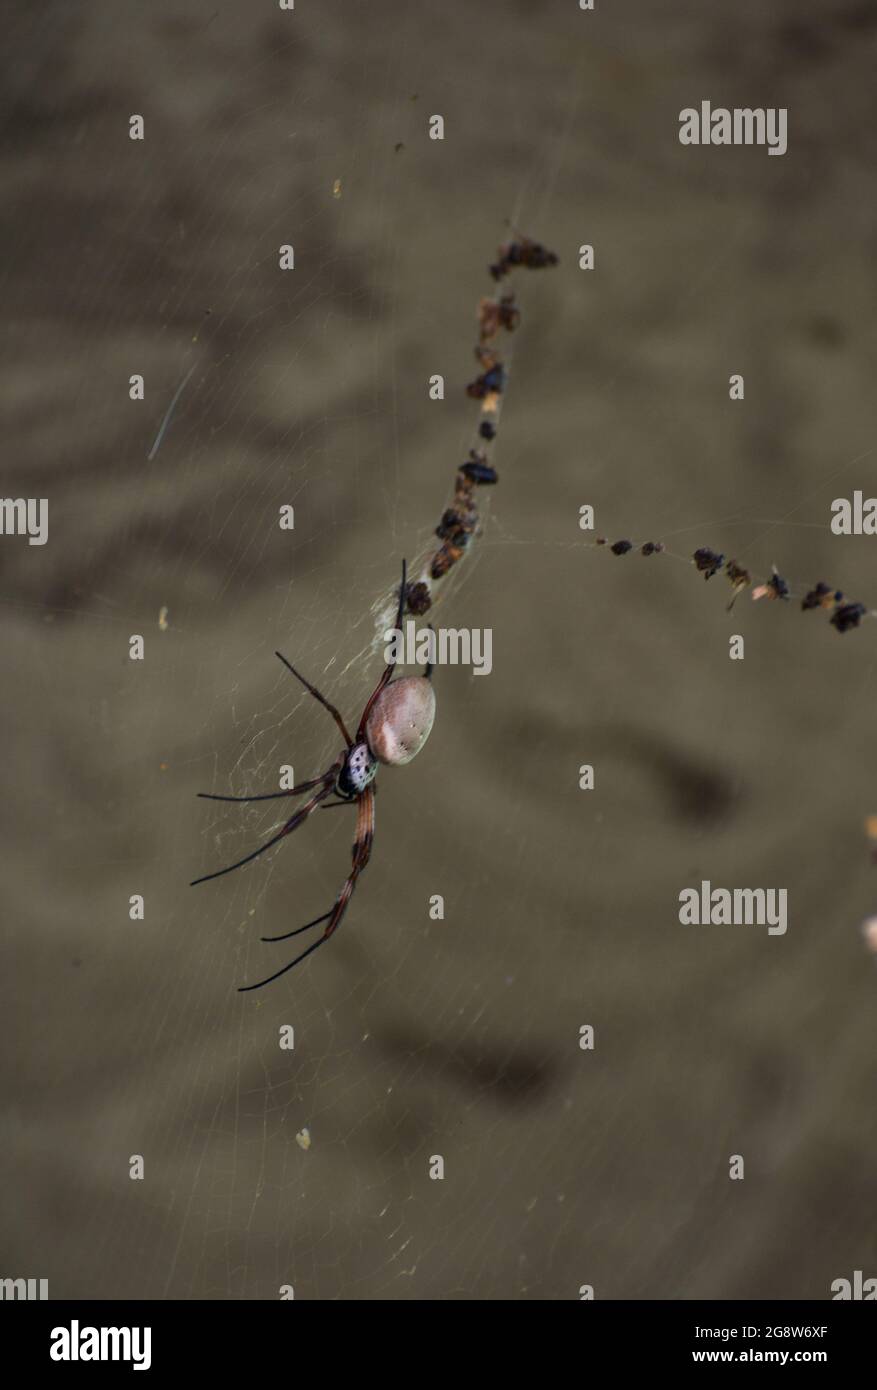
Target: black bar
[290,1337]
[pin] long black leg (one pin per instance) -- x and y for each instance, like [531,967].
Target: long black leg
[298,931]
[390,667]
[205,878]
[428,668]
[362,847]
[245,989]
[317,696]
[268,796]
[292,824]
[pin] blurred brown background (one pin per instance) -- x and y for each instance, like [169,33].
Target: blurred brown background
[415,1037]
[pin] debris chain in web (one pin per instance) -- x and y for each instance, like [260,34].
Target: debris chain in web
[460,523]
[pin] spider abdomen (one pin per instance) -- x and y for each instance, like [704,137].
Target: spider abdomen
[401,720]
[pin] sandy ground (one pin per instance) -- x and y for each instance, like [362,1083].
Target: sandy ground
[416,1037]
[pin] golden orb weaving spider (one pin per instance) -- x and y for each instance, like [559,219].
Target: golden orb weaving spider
[395,724]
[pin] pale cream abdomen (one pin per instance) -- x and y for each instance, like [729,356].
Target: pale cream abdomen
[401,720]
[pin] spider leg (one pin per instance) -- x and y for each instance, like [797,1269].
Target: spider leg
[327,782]
[317,696]
[245,989]
[429,668]
[362,846]
[268,796]
[298,931]
[345,800]
[389,668]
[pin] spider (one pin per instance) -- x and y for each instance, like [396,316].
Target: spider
[395,724]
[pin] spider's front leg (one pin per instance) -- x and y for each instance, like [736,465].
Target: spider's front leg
[324,784]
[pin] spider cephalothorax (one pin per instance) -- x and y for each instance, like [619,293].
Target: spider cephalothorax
[359,770]
[395,724]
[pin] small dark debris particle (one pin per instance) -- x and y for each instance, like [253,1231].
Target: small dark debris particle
[418,598]
[621,547]
[848,615]
[737,574]
[600,540]
[817,597]
[739,579]
[652,548]
[487,430]
[537,257]
[531,254]
[509,313]
[451,526]
[708,561]
[493,380]
[398,146]
[779,585]
[480,473]
[445,559]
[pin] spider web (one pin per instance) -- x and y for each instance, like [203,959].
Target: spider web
[309,1168]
